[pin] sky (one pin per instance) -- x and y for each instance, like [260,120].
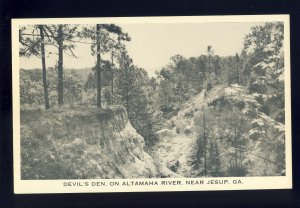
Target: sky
[152,44]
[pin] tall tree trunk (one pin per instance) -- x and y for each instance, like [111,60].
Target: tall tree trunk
[112,77]
[60,81]
[235,148]
[204,137]
[98,67]
[238,77]
[241,159]
[216,64]
[127,90]
[126,68]
[44,68]
[127,102]
[208,63]
[237,70]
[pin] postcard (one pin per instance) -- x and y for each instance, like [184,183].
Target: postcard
[151,104]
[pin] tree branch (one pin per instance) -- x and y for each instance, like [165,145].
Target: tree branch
[52,33]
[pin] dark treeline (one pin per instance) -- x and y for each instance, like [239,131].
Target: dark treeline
[257,68]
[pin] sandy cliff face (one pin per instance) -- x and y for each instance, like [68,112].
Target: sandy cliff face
[82,143]
[230,112]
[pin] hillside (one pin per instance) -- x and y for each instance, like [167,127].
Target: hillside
[241,140]
[82,143]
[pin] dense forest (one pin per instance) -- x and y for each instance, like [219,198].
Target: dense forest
[228,110]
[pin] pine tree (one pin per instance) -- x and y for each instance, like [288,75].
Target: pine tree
[62,37]
[36,46]
[98,67]
[100,34]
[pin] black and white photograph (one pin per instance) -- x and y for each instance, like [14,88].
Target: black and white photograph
[177,103]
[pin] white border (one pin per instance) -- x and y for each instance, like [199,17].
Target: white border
[57,186]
